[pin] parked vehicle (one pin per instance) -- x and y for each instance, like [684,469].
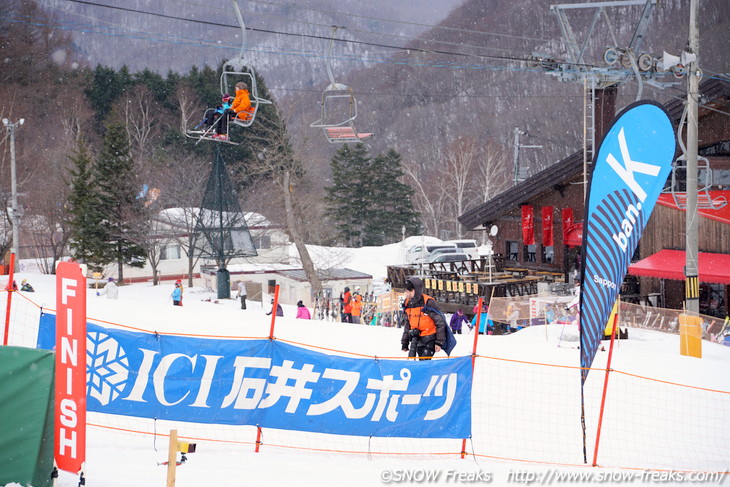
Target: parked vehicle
[468,246]
[418,253]
[448,257]
[446,250]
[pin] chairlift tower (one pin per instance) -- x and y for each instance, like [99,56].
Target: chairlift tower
[221,229]
[600,82]
[518,177]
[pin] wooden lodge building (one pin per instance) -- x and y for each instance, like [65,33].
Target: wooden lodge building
[539,220]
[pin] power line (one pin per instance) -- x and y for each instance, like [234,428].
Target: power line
[379,19]
[181,40]
[310,36]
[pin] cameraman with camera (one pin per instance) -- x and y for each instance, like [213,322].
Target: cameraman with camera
[424,331]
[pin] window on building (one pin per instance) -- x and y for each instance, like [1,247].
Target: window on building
[170,252]
[261,241]
[548,254]
[513,247]
[529,253]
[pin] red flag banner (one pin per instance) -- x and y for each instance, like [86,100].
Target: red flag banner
[547,226]
[567,217]
[70,409]
[528,224]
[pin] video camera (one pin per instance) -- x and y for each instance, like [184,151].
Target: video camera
[414,334]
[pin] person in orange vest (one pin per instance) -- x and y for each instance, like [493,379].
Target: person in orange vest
[347,306]
[356,308]
[424,330]
[241,106]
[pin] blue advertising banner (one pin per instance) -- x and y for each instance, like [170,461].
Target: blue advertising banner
[629,172]
[271,384]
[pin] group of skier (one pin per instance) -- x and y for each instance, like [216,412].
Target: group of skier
[238,107]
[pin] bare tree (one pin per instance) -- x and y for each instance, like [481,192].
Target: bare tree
[494,172]
[456,178]
[276,159]
[160,236]
[429,198]
[181,191]
[142,119]
[189,105]
[45,224]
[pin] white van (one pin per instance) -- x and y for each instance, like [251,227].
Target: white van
[419,253]
[468,246]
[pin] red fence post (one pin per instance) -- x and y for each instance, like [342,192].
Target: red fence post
[605,384]
[473,358]
[10,290]
[274,307]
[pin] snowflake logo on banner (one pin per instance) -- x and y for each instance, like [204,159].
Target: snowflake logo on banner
[107,367]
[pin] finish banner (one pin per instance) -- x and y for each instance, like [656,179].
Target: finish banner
[70,345]
[629,172]
[271,384]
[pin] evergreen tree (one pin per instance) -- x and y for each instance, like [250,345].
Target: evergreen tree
[124,215]
[390,207]
[367,203]
[105,88]
[87,233]
[348,197]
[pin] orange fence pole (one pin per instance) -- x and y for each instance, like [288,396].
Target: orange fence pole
[473,358]
[274,307]
[605,384]
[258,438]
[10,290]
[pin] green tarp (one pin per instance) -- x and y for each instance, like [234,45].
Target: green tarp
[26,416]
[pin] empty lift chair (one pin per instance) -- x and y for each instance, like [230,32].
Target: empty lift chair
[339,108]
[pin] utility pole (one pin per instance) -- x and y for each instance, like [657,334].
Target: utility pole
[516,156]
[14,213]
[691,270]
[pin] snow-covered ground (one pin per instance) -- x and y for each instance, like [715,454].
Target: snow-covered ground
[117,459]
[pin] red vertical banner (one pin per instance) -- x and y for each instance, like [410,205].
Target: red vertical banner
[70,409]
[528,225]
[547,226]
[567,217]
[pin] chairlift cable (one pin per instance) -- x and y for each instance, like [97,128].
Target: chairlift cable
[180,40]
[370,18]
[310,36]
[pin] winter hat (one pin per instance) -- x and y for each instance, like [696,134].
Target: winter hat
[111,279]
[300,304]
[227,97]
[415,284]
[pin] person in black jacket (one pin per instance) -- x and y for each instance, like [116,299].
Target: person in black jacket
[424,330]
